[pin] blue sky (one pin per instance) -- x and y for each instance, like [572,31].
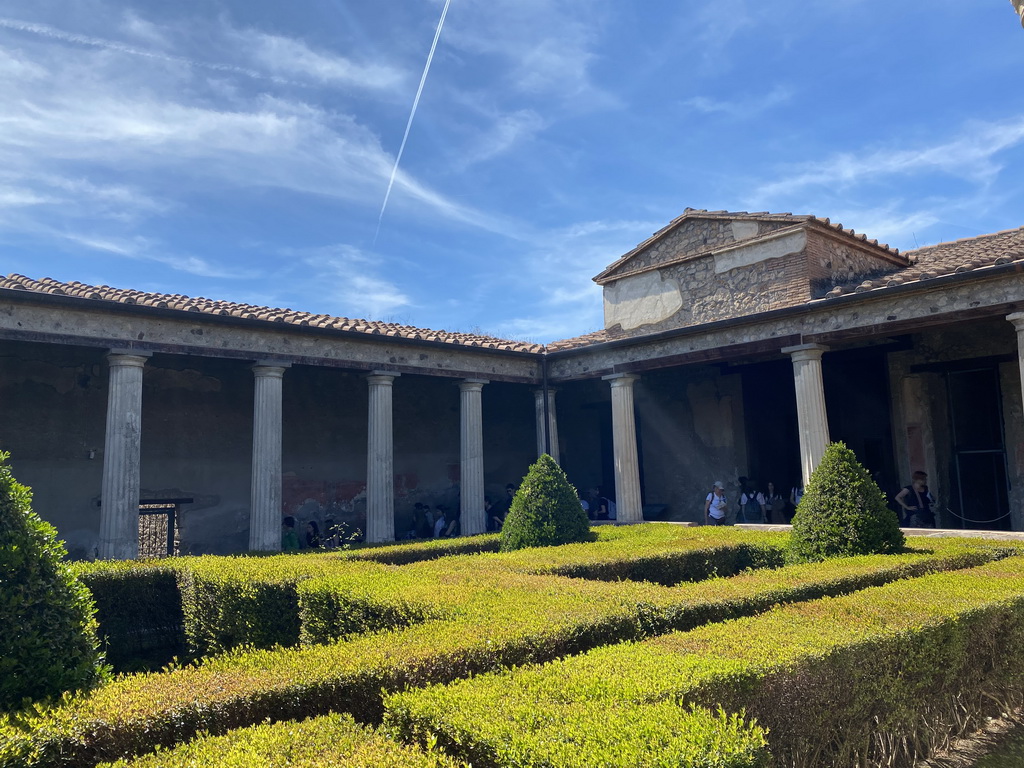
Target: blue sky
[241,150]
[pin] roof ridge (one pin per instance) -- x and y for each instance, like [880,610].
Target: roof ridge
[946,243]
[204,305]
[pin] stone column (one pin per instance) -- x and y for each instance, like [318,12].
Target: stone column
[265,497]
[628,506]
[380,462]
[1017,318]
[552,423]
[119,494]
[810,404]
[471,484]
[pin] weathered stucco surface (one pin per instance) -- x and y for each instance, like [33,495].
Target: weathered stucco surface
[641,300]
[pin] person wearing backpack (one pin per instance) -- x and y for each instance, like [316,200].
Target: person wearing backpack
[716,506]
[751,503]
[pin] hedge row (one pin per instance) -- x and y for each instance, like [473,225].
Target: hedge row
[876,677]
[508,620]
[418,551]
[335,740]
[151,612]
[138,609]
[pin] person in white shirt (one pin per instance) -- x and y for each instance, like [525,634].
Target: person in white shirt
[716,505]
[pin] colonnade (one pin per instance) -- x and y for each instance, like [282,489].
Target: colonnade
[119,497]
[120,484]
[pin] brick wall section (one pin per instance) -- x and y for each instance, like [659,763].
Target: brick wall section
[831,262]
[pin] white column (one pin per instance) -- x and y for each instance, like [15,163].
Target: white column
[265,498]
[812,417]
[552,423]
[471,484]
[1017,318]
[380,463]
[628,506]
[119,494]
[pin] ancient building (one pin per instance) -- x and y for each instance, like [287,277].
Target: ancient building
[734,344]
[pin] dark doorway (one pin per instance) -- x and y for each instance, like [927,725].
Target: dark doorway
[980,493]
[773,437]
[859,411]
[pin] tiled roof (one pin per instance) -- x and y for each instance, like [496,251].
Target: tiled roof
[252,312]
[700,213]
[972,254]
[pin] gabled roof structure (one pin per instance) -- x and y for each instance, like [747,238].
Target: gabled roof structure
[778,222]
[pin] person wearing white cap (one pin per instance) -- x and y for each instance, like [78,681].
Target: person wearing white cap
[715,505]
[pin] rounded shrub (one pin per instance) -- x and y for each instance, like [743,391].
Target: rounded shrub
[843,512]
[48,640]
[545,510]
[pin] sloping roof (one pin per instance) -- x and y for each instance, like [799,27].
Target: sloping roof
[104,293]
[781,218]
[967,255]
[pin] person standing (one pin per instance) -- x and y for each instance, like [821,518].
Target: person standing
[917,501]
[751,502]
[716,505]
[774,504]
[289,538]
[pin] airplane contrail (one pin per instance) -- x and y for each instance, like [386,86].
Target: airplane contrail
[412,114]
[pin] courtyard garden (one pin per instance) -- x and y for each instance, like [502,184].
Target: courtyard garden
[648,645]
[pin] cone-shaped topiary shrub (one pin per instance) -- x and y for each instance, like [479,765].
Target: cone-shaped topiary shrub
[843,512]
[545,510]
[48,641]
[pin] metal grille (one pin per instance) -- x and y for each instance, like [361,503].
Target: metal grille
[158,530]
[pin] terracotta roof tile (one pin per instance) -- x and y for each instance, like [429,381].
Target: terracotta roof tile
[956,257]
[183,303]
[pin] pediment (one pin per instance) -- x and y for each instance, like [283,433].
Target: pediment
[694,234]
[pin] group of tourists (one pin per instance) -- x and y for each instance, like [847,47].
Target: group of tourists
[755,505]
[768,505]
[312,538]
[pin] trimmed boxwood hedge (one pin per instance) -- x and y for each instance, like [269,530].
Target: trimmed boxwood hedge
[334,740]
[138,607]
[48,640]
[843,512]
[509,619]
[876,677]
[545,511]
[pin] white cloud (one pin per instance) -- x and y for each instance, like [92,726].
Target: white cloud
[970,156]
[145,249]
[547,47]
[294,58]
[743,107]
[352,282]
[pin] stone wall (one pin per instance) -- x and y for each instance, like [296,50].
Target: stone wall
[693,433]
[728,277]
[697,236]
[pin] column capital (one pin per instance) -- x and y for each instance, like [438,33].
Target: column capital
[1017,318]
[539,392]
[382,378]
[621,379]
[473,385]
[801,352]
[269,369]
[128,358]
